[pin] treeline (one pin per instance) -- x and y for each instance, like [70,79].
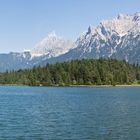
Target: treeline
[76,72]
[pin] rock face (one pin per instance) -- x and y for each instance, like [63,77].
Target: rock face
[52,46]
[117,38]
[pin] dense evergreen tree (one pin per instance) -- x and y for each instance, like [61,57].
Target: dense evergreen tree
[76,72]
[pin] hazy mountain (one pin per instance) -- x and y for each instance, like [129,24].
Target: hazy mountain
[14,61]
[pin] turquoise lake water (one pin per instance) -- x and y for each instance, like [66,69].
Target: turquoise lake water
[69,113]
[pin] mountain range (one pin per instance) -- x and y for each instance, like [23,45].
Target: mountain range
[118,38]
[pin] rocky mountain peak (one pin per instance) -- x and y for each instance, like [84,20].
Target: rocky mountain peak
[52,46]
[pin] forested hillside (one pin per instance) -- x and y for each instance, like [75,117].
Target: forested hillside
[76,72]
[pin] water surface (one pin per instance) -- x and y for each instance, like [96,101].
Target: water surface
[69,113]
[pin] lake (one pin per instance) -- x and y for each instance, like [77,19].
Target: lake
[69,113]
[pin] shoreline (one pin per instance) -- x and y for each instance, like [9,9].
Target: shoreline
[135,85]
[94,86]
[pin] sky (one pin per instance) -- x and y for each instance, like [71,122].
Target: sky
[24,23]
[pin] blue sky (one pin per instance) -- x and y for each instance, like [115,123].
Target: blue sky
[24,23]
